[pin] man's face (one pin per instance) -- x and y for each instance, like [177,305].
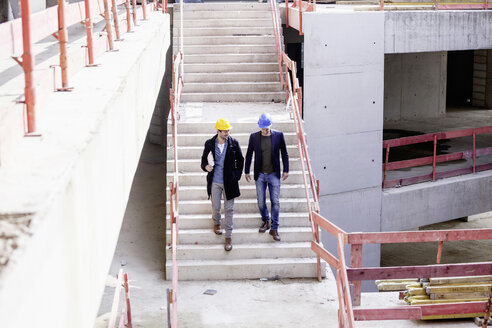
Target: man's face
[265,132]
[223,134]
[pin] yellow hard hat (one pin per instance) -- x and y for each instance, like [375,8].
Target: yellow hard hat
[222,124]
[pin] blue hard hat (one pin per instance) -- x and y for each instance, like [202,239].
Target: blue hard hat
[265,121]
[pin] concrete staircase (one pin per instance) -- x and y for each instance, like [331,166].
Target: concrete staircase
[230,53]
[201,254]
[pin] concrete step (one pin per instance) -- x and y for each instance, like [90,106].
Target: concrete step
[245,269]
[232,87]
[271,67]
[222,6]
[224,40]
[242,205]
[231,58]
[225,22]
[214,14]
[248,191]
[226,49]
[193,139]
[199,178]
[243,251]
[241,220]
[237,127]
[234,97]
[242,236]
[193,165]
[189,152]
[224,31]
[233,77]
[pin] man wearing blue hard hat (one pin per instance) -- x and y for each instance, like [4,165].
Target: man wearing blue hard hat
[267,145]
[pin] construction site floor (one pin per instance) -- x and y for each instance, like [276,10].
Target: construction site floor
[248,303]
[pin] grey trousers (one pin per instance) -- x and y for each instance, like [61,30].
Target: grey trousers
[217,193]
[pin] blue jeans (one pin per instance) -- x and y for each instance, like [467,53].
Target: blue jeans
[273,184]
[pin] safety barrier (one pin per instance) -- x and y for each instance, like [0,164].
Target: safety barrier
[174,99]
[31,28]
[355,273]
[289,81]
[439,5]
[434,159]
[122,282]
[301,6]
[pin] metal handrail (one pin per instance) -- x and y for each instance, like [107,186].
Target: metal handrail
[276,32]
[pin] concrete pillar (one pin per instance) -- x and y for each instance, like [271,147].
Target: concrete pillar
[415,85]
[343,113]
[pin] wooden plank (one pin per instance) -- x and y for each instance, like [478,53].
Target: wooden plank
[356,262]
[395,313]
[116,300]
[345,282]
[458,280]
[325,255]
[436,270]
[417,236]
[452,308]
[327,225]
[454,296]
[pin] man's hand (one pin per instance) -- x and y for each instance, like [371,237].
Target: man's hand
[285,175]
[248,177]
[209,168]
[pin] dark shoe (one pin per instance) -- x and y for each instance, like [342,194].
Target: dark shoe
[264,227]
[217,229]
[228,244]
[274,234]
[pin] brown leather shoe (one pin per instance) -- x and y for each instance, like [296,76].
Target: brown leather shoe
[274,234]
[265,226]
[217,229]
[228,244]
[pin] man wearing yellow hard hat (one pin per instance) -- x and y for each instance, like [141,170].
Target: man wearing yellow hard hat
[223,160]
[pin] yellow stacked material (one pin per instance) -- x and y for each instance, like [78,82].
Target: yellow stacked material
[394,284]
[414,290]
[459,288]
[429,301]
[454,296]
[460,280]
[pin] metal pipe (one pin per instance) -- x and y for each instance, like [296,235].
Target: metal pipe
[108,24]
[62,40]
[115,19]
[127,298]
[128,17]
[28,65]
[134,12]
[88,29]
[434,159]
[386,163]
[287,13]
[474,152]
[164,6]
[439,252]
[144,9]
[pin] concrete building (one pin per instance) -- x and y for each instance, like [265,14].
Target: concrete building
[63,195]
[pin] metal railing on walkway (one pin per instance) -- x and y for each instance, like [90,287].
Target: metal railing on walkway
[174,99]
[31,28]
[435,158]
[290,82]
[355,273]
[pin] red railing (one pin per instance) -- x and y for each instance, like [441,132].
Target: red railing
[302,6]
[356,273]
[31,28]
[435,159]
[294,98]
[122,282]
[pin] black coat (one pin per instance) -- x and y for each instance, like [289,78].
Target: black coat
[233,166]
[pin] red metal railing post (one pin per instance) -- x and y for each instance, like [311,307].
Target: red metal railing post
[381,4]
[28,65]
[300,18]
[434,159]
[439,251]
[115,19]
[88,29]
[134,12]
[62,40]
[356,262]
[128,307]
[164,6]
[108,24]
[386,163]
[144,9]
[128,17]
[474,151]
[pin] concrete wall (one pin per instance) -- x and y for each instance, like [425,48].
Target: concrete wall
[429,31]
[343,101]
[415,85]
[432,202]
[75,183]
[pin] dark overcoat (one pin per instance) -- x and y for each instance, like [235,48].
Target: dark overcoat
[233,166]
